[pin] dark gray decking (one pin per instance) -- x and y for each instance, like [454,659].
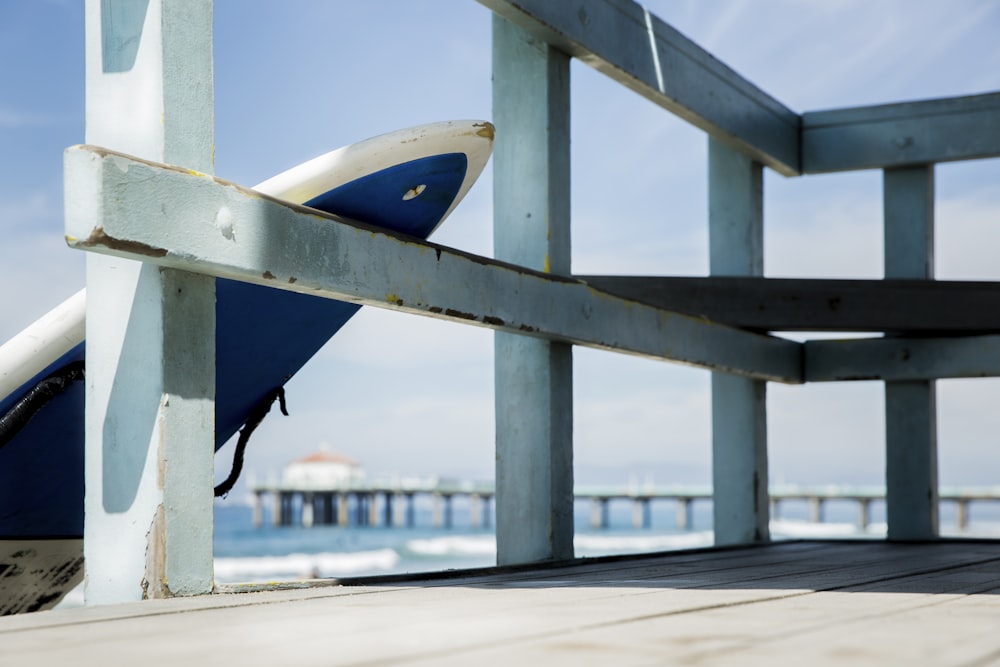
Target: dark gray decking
[801,603]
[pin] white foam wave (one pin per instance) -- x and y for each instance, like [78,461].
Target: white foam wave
[794,529]
[297,566]
[620,544]
[484,545]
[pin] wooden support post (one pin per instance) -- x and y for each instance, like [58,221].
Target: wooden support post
[372,509]
[595,513]
[739,405]
[411,511]
[437,519]
[343,518]
[276,508]
[448,515]
[684,516]
[475,511]
[258,519]
[329,517]
[962,518]
[308,515]
[534,378]
[387,510]
[399,511]
[816,509]
[150,407]
[910,407]
[864,513]
[641,517]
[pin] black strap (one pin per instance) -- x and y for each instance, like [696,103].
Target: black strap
[253,421]
[31,403]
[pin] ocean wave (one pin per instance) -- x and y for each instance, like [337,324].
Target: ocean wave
[620,544]
[790,528]
[298,566]
[478,545]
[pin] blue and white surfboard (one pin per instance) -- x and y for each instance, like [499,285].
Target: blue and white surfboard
[406,181]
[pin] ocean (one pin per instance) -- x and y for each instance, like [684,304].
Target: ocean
[244,553]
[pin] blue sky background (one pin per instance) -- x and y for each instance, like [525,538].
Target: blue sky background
[414,396]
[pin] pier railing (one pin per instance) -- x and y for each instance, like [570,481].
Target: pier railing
[149,489]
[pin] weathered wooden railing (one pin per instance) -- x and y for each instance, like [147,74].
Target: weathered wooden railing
[150,424]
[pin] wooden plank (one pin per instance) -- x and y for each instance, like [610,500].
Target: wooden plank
[786,602]
[531,227]
[894,135]
[910,405]
[150,332]
[120,205]
[621,39]
[915,307]
[739,405]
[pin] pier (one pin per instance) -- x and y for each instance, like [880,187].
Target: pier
[392,504]
[370,504]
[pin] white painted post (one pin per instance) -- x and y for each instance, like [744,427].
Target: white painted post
[739,405]
[258,518]
[910,407]
[437,519]
[343,518]
[372,509]
[534,378]
[399,510]
[150,332]
[475,511]
[308,515]
[277,508]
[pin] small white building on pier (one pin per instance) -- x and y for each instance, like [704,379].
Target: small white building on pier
[323,469]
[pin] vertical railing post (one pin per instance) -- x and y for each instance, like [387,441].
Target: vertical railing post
[910,407]
[534,378]
[150,411]
[739,405]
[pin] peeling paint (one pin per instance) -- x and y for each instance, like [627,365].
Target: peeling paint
[459,314]
[98,238]
[154,580]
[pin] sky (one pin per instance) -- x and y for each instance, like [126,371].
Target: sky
[413,396]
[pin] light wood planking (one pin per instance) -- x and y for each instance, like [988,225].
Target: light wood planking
[784,603]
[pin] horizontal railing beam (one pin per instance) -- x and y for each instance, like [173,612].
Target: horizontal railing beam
[119,205]
[623,40]
[902,358]
[896,135]
[925,307]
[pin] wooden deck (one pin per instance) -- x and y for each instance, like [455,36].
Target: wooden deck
[858,603]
